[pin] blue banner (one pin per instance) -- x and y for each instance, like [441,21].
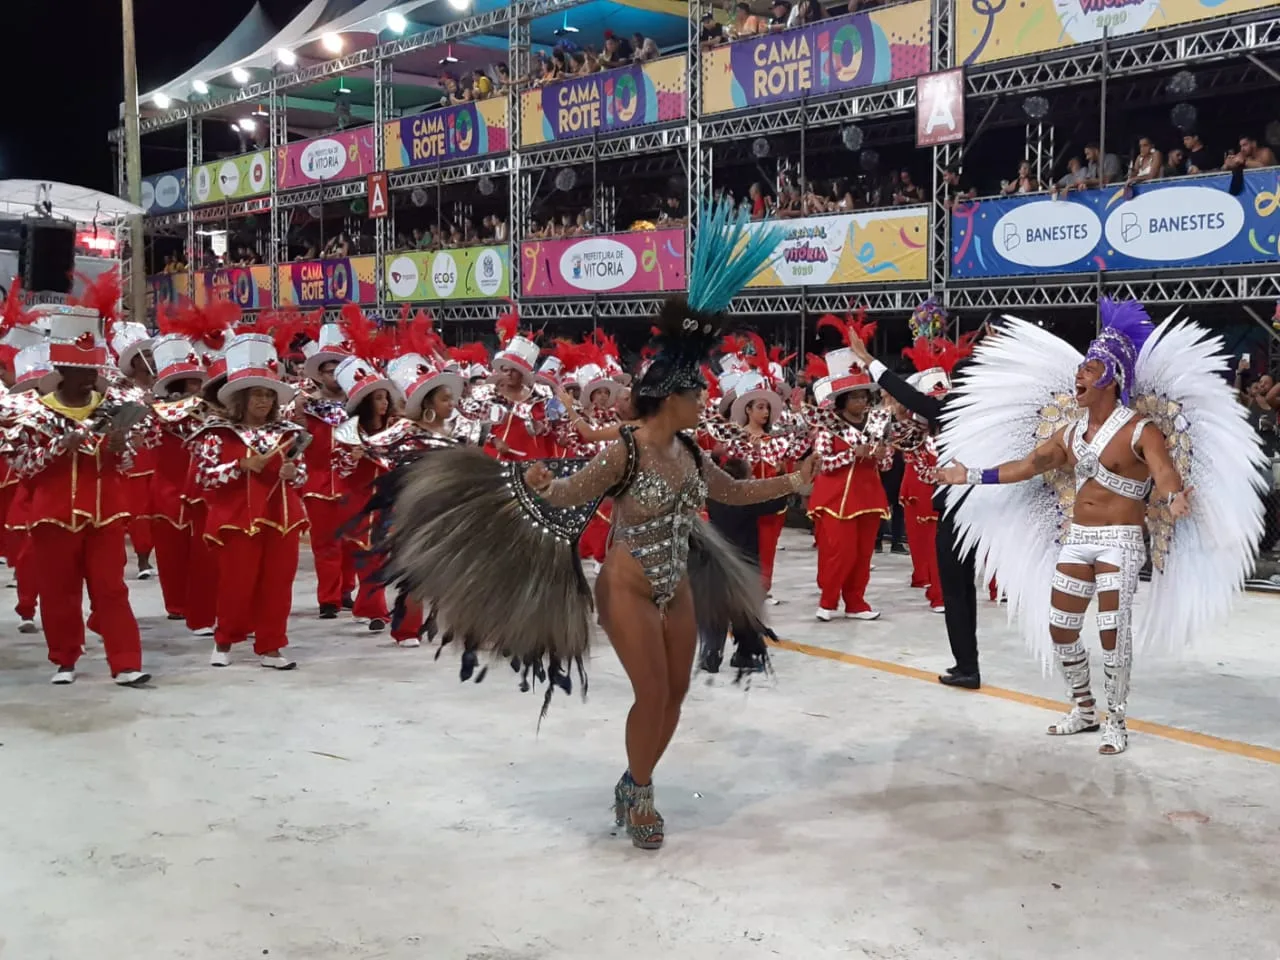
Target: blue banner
[164,192]
[1166,224]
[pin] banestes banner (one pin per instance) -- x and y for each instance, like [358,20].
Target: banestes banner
[1186,222]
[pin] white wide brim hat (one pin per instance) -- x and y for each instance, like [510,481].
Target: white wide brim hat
[365,387]
[422,388]
[501,364]
[601,383]
[311,366]
[176,372]
[738,409]
[284,392]
[125,361]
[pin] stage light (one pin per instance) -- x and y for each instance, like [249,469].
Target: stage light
[200,87]
[240,75]
[247,126]
[332,42]
[396,22]
[459,4]
[286,56]
[161,101]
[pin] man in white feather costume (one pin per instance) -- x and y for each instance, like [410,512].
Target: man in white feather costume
[1111,447]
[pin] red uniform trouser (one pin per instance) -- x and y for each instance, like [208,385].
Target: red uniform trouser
[67,562]
[921,574]
[173,559]
[255,587]
[922,534]
[335,565]
[201,603]
[140,536]
[411,625]
[371,598]
[26,570]
[9,539]
[769,529]
[140,526]
[845,548]
[594,542]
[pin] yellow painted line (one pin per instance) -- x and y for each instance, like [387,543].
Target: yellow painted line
[1237,747]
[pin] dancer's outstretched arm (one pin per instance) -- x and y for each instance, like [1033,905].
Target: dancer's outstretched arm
[1050,455]
[594,480]
[723,488]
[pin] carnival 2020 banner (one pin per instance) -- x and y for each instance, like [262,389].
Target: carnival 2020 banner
[234,178]
[340,156]
[446,135]
[987,31]
[857,50]
[164,192]
[329,283]
[604,102]
[463,273]
[649,261]
[1187,222]
[878,246]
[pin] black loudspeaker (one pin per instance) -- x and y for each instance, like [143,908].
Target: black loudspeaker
[48,256]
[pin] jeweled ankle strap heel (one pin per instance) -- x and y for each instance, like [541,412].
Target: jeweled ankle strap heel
[622,799]
[646,836]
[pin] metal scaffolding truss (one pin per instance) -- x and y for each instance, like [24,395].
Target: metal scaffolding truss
[455,173]
[881,300]
[321,194]
[1084,291]
[612,308]
[226,211]
[848,108]
[1132,59]
[605,148]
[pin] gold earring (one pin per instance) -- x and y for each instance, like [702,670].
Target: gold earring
[431,416]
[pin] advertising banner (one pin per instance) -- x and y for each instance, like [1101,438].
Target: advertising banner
[231,179]
[446,135]
[641,262]
[604,102]
[988,31]
[878,246]
[857,50]
[171,287]
[329,283]
[1187,222]
[247,287]
[340,156]
[465,273]
[165,192]
[940,108]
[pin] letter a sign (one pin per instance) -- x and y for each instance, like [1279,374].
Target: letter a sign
[377,194]
[940,108]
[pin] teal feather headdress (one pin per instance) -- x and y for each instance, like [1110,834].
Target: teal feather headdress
[728,251]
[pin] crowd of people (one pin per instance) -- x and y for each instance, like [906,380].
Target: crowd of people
[445,234]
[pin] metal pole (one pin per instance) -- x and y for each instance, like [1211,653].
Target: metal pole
[1102,119]
[133,169]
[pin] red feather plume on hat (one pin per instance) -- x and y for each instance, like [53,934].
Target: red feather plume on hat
[775,356]
[470,353]
[366,341]
[851,326]
[7,355]
[815,367]
[508,325]
[206,325]
[419,336]
[15,314]
[101,293]
[568,353]
[713,383]
[758,359]
[607,344]
[284,326]
[589,351]
[925,353]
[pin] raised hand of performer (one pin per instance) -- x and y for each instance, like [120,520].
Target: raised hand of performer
[1180,503]
[953,473]
[253,463]
[860,351]
[537,477]
[288,471]
[116,441]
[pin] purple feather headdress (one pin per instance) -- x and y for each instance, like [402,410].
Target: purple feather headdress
[1125,328]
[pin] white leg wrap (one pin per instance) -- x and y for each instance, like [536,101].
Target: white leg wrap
[1110,581]
[1065,620]
[1108,620]
[1072,586]
[1074,660]
[1117,664]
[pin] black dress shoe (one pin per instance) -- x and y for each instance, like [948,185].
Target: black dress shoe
[177,616]
[328,611]
[952,670]
[969,681]
[377,626]
[348,602]
[899,548]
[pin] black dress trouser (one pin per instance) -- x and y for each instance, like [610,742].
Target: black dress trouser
[959,594]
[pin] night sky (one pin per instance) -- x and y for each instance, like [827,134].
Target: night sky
[65,79]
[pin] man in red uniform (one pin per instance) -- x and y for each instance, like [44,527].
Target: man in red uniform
[513,402]
[74,447]
[131,345]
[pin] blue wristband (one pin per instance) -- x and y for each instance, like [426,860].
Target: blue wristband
[991,475]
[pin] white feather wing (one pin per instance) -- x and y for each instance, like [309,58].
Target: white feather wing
[1018,392]
[1202,560]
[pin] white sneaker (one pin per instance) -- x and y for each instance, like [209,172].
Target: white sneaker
[131,678]
[824,614]
[64,676]
[939,609]
[146,574]
[203,632]
[863,615]
[279,662]
[410,642]
[220,658]
[28,626]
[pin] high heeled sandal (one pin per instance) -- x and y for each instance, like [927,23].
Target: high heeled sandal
[646,836]
[622,799]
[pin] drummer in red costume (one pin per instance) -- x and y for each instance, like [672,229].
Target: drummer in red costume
[130,345]
[848,501]
[513,402]
[74,447]
[599,392]
[320,412]
[249,463]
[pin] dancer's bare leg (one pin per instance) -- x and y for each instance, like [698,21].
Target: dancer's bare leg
[680,635]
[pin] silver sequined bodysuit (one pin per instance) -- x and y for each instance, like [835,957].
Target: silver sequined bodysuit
[656,513]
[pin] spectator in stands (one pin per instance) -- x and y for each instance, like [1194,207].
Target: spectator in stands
[811,202]
[759,206]
[955,187]
[613,56]
[481,84]
[419,239]
[712,33]
[841,196]
[780,16]
[1175,163]
[504,78]
[906,190]
[499,230]
[1110,170]
[1073,179]
[1147,165]
[1250,156]
[1199,159]
[745,23]
[1024,182]
[808,11]
[646,48]
[788,205]
[673,209]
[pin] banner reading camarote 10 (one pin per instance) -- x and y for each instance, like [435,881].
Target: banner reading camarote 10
[446,134]
[988,31]
[464,273]
[234,178]
[604,102]
[857,50]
